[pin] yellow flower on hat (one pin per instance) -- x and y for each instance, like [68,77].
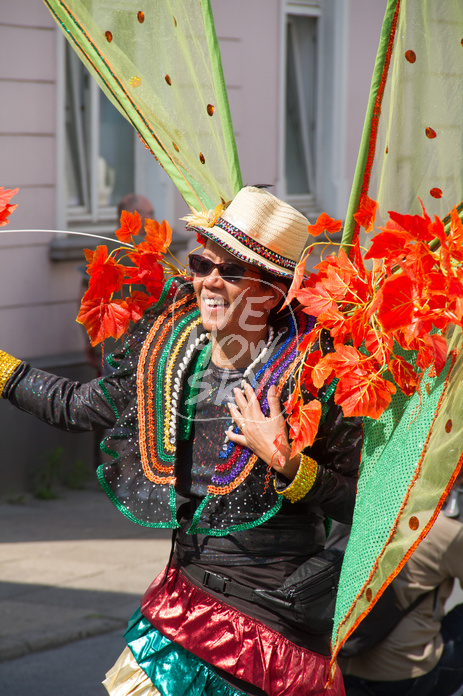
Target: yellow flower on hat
[205,218]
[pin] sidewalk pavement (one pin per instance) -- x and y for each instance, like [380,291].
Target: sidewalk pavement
[71,568]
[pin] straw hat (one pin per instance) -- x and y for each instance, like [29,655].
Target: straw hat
[257,228]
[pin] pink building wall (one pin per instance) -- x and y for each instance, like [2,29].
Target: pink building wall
[38,298]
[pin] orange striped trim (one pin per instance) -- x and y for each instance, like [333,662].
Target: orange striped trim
[147,425]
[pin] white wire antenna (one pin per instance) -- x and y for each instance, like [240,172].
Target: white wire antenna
[78,234]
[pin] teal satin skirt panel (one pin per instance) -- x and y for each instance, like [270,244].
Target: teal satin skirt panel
[172,669]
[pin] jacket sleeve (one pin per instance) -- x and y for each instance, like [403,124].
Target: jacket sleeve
[337,450]
[63,403]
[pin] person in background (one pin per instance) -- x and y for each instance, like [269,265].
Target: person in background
[423,655]
[135,202]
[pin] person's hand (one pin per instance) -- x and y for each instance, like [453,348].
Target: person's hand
[266,437]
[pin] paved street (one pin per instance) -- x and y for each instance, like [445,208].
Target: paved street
[74,669]
[70,568]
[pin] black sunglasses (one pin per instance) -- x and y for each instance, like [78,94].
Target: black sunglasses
[202,267]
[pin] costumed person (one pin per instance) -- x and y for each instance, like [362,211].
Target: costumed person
[392,359]
[199,444]
[422,655]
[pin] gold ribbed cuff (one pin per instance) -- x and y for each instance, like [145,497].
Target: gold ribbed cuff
[8,365]
[303,481]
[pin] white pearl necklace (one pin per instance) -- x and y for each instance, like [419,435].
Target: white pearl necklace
[264,350]
[178,381]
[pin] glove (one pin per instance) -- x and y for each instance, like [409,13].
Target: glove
[8,365]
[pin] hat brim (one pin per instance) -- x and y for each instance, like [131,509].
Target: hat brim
[241,251]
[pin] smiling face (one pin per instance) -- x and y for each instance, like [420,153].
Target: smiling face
[234,311]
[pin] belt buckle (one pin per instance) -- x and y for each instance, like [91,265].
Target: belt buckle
[214,582]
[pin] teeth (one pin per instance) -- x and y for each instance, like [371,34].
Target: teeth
[214,302]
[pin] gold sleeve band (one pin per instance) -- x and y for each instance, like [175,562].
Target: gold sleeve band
[8,365]
[303,481]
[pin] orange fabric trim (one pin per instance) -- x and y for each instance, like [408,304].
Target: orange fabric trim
[144,426]
[375,120]
[415,544]
[223,490]
[168,447]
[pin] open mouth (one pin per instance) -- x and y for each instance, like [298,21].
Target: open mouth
[214,303]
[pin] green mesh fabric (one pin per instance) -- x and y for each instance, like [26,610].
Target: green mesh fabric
[413,133]
[159,63]
[410,455]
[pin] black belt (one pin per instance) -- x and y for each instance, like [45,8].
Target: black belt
[306,598]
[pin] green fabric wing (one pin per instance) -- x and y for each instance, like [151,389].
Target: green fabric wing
[412,141]
[411,148]
[159,63]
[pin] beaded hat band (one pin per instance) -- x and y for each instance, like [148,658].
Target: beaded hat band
[260,229]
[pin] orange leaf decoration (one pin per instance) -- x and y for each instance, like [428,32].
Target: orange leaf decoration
[321,372]
[396,309]
[366,214]
[130,226]
[406,299]
[148,272]
[307,376]
[6,208]
[158,235]
[404,375]
[324,222]
[415,224]
[363,392]
[344,359]
[297,280]
[104,319]
[456,229]
[106,275]
[316,300]
[138,303]
[390,243]
[303,424]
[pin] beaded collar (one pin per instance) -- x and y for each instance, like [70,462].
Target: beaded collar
[175,347]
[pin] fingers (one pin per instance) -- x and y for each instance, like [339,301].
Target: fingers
[237,438]
[241,400]
[274,402]
[236,415]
